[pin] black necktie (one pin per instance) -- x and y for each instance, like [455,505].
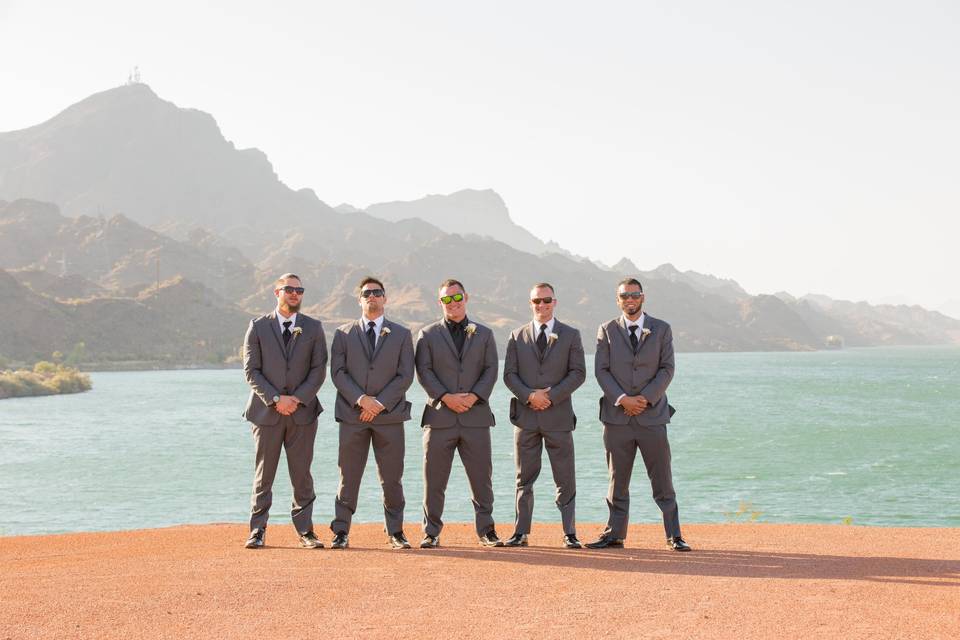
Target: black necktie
[458,334]
[371,336]
[542,338]
[286,332]
[634,341]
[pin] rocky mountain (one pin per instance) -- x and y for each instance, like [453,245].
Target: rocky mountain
[138,182]
[482,213]
[171,326]
[127,151]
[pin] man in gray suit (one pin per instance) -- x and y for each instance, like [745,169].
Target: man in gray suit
[634,366]
[371,364]
[284,361]
[457,366]
[544,366]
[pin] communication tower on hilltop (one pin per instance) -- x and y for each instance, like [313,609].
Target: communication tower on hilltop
[134,76]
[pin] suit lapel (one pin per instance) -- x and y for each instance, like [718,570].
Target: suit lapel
[360,332]
[468,339]
[527,337]
[442,328]
[294,339]
[557,330]
[275,328]
[624,333]
[382,337]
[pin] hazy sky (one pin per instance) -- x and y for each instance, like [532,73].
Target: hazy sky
[799,146]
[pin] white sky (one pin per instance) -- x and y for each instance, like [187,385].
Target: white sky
[800,146]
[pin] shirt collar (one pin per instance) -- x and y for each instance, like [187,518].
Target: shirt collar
[377,324]
[639,321]
[281,319]
[451,325]
[549,323]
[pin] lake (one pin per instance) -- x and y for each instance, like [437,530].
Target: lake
[863,435]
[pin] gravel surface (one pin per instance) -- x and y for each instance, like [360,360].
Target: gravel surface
[741,580]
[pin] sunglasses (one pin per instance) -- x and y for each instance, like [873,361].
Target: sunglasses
[376,293]
[296,290]
[457,297]
[546,300]
[636,295]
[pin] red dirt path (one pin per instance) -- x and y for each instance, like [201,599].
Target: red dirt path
[742,580]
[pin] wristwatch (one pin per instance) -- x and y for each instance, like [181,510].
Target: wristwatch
[276,399]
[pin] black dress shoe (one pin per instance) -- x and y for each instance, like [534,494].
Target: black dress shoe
[430,542]
[605,541]
[309,540]
[491,539]
[677,544]
[570,541]
[340,541]
[255,541]
[399,541]
[516,540]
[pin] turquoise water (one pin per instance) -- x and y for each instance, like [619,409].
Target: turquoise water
[867,434]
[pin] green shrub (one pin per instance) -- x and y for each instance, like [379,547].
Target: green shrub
[45,379]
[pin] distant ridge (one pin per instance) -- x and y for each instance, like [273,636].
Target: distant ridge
[92,200]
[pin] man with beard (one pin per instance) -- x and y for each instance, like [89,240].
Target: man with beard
[634,365]
[284,361]
[371,364]
[457,367]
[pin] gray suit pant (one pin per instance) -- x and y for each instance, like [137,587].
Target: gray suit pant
[621,443]
[297,441]
[439,445]
[529,451]
[388,450]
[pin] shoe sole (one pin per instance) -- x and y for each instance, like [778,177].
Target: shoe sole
[253,546]
[311,546]
[491,546]
[519,544]
[430,546]
[400,546]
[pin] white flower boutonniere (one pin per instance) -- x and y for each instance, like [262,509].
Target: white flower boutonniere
[296,331]
[644,333]
[553,337]
[384,331]
[471,329]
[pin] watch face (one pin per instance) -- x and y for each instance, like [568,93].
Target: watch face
[276,398]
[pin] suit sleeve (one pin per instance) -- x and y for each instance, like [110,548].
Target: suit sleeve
[393,392]
[601,368]
[342,380]
[576,372]
[654,390]
[308,389]
[488,377]
[424,363]
[511,372]
[252,363]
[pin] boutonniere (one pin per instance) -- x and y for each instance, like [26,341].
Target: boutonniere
[471,329]
[553,337]
[644,333]
[296,331]
[384,331]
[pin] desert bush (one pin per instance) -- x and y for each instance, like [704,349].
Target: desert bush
[45,379]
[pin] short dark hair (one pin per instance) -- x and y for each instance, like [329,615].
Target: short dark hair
[282,280]
[369,280]
[449,282]
[628,281]
[546,285]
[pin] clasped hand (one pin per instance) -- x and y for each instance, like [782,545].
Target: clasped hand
[634,405]
[286,405]
[539,399]
[370,408]
[459,402]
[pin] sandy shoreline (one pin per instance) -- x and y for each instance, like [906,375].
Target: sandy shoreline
[742,580]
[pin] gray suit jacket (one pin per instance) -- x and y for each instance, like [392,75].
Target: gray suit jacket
[270,369]
[385,374]
[648,373]
[440,370]
[561,368]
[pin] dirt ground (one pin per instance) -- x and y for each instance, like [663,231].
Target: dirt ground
[741,580]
